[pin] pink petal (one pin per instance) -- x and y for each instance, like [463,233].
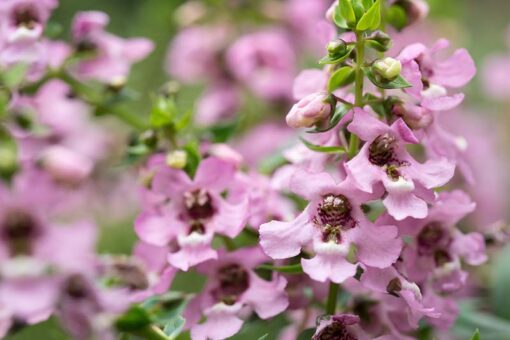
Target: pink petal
[404,132]
[366,126]
[363,173]
[195,249]
[405,205]
[214,174]
[433,173]
[456,71]
[443,103]
[471,247]
[154,257]
[311,185]
[268,298]
[222,322]
[378,246]
[230,219]
[171,182]
[282,240]
[156,229]
[137,48]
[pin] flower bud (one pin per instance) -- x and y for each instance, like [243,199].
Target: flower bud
[388,68]
[309,110]
[415,9]
[66,165]
[380,41]
[336,47]
[177,159]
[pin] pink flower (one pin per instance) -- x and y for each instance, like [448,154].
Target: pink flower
[403,296]
[233,290]
[34,250]
[195,212]
[343,326]
[332,223]
[431,77]
[439,247]
[112,56]
[309,111]
[384,159]
[193,55]
[264,62]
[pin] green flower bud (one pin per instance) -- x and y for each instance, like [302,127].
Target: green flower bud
[337,47]
[388,68]
[177,159]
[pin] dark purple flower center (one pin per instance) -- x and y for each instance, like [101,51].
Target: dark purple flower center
[126,272]
[85,45]
[25,16]
[77,287]
[334,216]
[19,229]
[199,204]
[334,331]
[382,150]
[233,281]
[442,257]
[394,286]
[432,238]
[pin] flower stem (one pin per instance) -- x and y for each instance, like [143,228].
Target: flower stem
[358,87]
[332,296]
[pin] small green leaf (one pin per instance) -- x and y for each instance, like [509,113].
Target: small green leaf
[174,327]
[134,319]
[340,110]
[376,45]
[323,149]
[397,83]
[290,269]
[346,11]
[476,335]
[341,77]
[193,159]
[371,19]
[14,75]
[163,112]
[337,58]
[263,337]
[396,17]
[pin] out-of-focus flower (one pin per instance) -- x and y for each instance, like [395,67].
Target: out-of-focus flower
[233,290]
[309,111]
[111,56]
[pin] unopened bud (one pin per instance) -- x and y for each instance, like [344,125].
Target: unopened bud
[388,68]
[336,47]
[177,159]
[380,41]
[309,111]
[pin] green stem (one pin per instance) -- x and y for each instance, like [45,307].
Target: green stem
[358,87]
[228,242]
[151,333]
[332,297]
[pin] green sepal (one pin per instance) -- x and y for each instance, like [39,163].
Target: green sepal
[340,110]
[330,59]
[397,83]
[323,149]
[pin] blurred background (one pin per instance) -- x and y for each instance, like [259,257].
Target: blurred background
[480,26]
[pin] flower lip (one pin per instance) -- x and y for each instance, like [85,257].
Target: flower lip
[234,280]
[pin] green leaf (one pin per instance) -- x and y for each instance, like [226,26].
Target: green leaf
[476,335]
[307,334]
[340,110]
[174,327]
[323,149]
[264,336]
[329,59]
[163,112]
[290,269]
[499,283]
[397,83]
[193,159]
[341,77]
[346,11]
[14,75]
[8,155]
[134,319]
[371,19]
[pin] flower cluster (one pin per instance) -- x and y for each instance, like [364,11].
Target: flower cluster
[360,219]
